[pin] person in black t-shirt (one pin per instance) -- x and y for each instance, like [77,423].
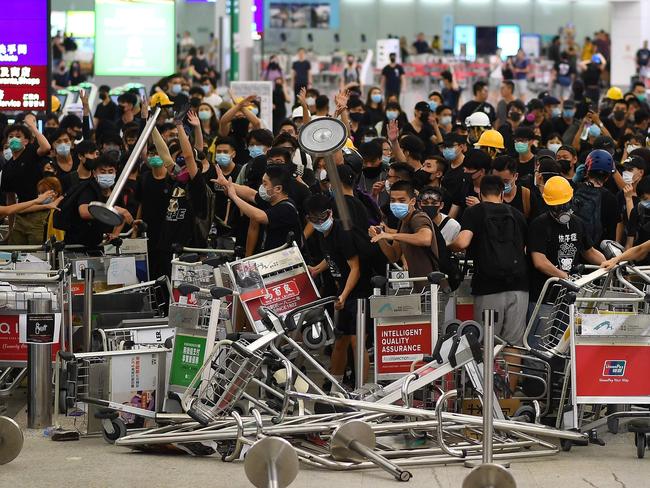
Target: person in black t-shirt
[269,206]
[107,110]
[392,77]
[344,258]
[20,177]
[508,295]
[505,167]
[301,73]
[478,104]
[84,228]
[557,240]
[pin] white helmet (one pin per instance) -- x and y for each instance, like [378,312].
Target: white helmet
[478,119]
[297,113]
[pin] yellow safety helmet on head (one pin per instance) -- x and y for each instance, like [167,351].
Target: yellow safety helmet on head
[160,98]
[557,191]
[614,93]
[491,138]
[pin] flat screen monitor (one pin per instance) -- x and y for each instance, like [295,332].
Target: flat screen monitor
[465,41]
[486,40]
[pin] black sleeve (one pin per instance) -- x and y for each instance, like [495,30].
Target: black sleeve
[86,196]
[282,214]
[632,226]
[86,127]
[384,71]
[472,219]
[537,241]
[199,196]
[610,216]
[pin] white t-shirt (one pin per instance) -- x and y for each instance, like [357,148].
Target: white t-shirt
[451,229]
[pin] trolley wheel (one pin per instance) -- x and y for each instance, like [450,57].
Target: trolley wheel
[451,327]
[640,441]
[527,414]
[612,425]
[471,327]
[63,396]
[313,343]
[566,445]
[119,430]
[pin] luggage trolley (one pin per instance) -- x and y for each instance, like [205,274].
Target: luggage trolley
[17,287]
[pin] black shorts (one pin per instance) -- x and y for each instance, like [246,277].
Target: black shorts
[346,320]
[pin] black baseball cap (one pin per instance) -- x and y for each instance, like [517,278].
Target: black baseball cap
[453,138]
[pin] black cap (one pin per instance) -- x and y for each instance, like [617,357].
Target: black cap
[453,138]
[423,107]
[545,153]
[604,142]
[569,104]
[634,162]
[353,159]
[543,95]
[535,104]
[550,100]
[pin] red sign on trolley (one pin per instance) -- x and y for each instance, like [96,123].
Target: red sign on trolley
[612,371]
[11,350]
[398,345]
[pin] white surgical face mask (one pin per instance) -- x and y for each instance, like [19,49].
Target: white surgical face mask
[628,177]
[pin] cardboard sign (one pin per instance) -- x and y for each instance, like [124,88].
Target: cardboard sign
[264,91]
[398,344]
[612,370]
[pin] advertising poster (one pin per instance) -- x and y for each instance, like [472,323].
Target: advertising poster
[24,55]
[399,344]
[11,349]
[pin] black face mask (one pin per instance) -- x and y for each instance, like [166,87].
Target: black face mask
[431,210]
[47,174]
[371,172]
[89,163]
[515,116]
[619,115]
[565,165]
[195,102]
[103,96]
[562,213]
[356,116]
[392,59]
[421,178]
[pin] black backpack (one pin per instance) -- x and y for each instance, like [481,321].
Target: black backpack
[447,262]
[502,245]
[587,202]
[63,218]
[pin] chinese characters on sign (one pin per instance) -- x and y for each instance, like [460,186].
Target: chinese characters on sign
[24,49]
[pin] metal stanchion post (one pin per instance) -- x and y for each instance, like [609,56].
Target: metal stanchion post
[359,353]
[89,275]
[39,382]
[488,474]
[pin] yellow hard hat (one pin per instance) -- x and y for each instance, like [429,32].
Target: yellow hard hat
[56,104]
[491,138]
[614,93]
[557,191]
[349,144]
[160,98]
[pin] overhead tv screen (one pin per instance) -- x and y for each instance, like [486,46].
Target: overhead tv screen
[134,38]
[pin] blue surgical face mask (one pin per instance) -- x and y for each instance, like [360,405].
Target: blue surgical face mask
[556,112]
[105,181]
[507,188]
[7,154]
[521,147]
[176,88]
[47,200]
[568,113]
[155,161]
[310,101]
[264,195]
[222,159]
[63,150]
[433,105]
[645,204]
[553,146]
[376,97]
[445,120]
[324,226]
[205,115]
[449,153]
[641,97]
[255,151]
[594,130]
[392,114]
[255,111]
[400,210]
[206,88]
[385,161]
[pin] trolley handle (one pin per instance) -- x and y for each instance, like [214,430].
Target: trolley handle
[216,292]
[289,319]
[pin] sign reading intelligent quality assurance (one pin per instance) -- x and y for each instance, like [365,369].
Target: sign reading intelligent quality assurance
[24,55]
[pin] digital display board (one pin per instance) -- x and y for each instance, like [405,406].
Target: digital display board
[24,55]
[134,38]
[508,39]
[465,41]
